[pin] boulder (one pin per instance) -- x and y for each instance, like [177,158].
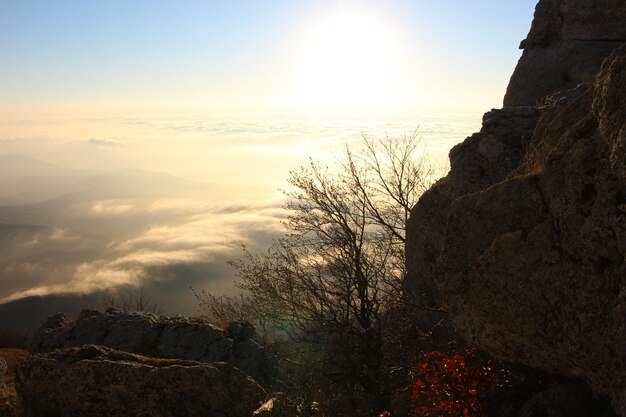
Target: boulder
[97,381]
[566,45]
[159,336]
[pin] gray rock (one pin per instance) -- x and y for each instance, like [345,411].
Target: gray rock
[181,340]
[88,312]
[530,259]
[133,333]
[160,336]
[566,45]
[251,356]
[482,160]
[524,241]
[52,333]
[100,382]
[241,330]
[220,351]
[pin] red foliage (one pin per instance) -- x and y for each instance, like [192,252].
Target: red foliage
[451,385]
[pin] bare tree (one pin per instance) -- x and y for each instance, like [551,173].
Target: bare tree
[129,300]
[329,281]
[220,309]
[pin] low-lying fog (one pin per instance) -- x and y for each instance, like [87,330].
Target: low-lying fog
[98,204]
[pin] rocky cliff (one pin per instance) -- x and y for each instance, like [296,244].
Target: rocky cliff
[566,45]
[524,240]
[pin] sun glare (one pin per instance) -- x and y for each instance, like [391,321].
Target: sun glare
[349,60]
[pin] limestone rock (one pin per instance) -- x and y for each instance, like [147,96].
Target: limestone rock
[481,161]
[524,241]
[566,45]
[167,337]
[97,381]
[531,263]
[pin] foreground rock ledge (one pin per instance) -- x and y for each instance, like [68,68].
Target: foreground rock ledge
[96,381]
[154,335]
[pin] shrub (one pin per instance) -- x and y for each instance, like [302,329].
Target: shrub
[452,384]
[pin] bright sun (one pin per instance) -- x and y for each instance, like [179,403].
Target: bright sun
[349,60]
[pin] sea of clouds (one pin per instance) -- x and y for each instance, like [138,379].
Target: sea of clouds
[162,203]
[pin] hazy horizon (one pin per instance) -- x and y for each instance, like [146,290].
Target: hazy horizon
[97,224]
[141,144]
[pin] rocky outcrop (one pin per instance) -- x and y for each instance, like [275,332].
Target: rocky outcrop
[482,160]
[159,336]
[532,269]
[97,381]
[524,241]
[566,45]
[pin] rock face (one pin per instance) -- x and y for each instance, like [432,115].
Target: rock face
[97,381]
[165,337]
[484,159]
[3,370]
[566,45]
[525,240]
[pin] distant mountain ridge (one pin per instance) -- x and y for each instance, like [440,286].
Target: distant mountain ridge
[25,180]
[61,226]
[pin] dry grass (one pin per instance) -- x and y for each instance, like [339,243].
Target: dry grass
[13,357]
[533,162]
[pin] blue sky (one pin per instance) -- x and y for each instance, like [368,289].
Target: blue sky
[175,55]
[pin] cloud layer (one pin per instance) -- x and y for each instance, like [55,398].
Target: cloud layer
[94,239]
[100,225]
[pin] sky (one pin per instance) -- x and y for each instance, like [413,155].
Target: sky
[174,57]
[142,142]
